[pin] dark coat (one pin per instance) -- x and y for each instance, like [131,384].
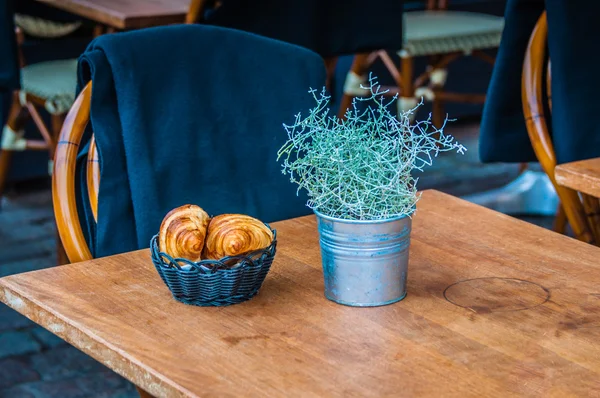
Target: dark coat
[175,126]
[573,48]
[328,27]
[9,67]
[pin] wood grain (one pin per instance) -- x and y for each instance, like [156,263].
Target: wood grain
[127,14]
[582,176]
[508,339]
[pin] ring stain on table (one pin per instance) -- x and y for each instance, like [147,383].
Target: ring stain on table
[494,294]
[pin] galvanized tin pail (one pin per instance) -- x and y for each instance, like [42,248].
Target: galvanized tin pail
[365,263]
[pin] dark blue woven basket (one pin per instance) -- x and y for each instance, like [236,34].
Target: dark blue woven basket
[227,281]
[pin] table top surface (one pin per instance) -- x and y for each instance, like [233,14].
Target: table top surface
[126,14]
[582,176]
[495,307]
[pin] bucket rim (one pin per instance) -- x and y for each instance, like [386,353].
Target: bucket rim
[347,221]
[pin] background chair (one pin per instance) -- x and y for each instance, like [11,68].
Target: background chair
[580,210]
[441,35]
[46,85]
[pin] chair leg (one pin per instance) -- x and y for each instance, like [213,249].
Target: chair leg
[11,141]
[560,221]
[438,79]
[356,76]
[330,64]
[592,210]
[437,112]
[5,158]
[407,100]
[61,254]
[143,394]
[57,123]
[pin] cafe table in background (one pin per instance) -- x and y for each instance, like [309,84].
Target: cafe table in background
[126,14]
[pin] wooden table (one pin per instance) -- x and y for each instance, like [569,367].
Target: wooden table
[126,14]
[582,176]
[495,307]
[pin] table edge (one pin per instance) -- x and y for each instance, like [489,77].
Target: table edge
[119,21]
[153,381]
[563,174]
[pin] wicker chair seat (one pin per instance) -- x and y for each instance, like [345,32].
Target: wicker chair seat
[43,28]
[53,81]
[442,32]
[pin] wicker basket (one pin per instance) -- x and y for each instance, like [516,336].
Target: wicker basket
[227,281]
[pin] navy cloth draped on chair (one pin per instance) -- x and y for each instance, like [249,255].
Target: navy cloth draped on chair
[573,33]
[191,114]
[9,66]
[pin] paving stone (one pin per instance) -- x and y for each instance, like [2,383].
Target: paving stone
[11,319]
[128,392]
[107,384]
[16,371]
[48,340]
[15,343]
[45,259]
[29,252]
[19,391]
[47,389]
[98,385]
[64,362]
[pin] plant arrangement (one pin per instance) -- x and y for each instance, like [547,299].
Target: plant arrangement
[361,167]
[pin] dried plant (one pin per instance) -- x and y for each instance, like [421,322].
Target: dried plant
[361,167]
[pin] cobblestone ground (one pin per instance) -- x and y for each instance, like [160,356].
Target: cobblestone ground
[35,363]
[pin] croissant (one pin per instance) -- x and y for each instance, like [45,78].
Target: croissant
[235,234]
[183,232]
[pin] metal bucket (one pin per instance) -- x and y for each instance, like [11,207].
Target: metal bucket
[365,263]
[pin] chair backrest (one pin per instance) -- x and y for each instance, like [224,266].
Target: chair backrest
[535,91]
[63,179]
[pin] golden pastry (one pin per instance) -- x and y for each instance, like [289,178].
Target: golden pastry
[235,234]
[183,232]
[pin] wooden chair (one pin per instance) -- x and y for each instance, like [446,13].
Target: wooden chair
[46,85]
[583,176]
[441,35]
[580,210]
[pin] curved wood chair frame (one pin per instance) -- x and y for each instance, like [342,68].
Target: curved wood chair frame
[63,178]
[576,206]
